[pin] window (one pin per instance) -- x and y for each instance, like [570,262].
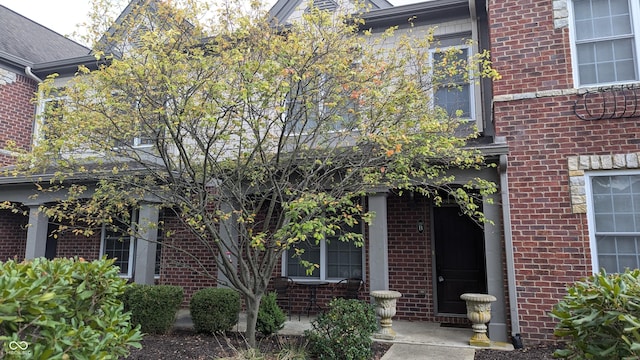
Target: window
[48,112]
[320,105]
[614,220]
[454,94]
[139,126]
[605,41]
[336,259]
[119,244]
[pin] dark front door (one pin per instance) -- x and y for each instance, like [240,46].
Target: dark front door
[459,258]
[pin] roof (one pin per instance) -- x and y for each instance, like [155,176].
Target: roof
[282,9]
[24,42]
[428,11]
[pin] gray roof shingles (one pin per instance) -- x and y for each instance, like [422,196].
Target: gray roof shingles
[30,41]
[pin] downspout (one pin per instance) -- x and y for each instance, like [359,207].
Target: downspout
[31,75]
[516,339]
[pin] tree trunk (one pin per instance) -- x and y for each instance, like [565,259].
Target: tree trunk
[252,304]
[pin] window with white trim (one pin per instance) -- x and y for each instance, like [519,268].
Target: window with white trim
[605,41]
[336,259]
[453,91]
[49,109]
[614,220]
[118,243]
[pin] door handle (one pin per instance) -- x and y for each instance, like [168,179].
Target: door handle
[440,278]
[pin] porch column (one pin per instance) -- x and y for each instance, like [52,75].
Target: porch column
[378,243]
[495,279]
[36,233]
[229,237]
[146,244]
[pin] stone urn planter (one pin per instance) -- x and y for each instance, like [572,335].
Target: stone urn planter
[479,312]
[385,308]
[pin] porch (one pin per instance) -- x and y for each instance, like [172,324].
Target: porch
[414,338]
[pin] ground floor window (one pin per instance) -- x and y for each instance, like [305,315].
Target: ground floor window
[335,259]
[118,243]
[614,220]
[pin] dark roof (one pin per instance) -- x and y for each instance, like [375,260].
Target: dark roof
[424,12]
[282,9]
[25,42]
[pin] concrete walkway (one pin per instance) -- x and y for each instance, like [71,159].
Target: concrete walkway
[414,340]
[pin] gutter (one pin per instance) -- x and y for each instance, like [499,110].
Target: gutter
[516,339]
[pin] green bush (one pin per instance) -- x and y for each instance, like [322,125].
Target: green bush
[344,331]
[601,317]
[63,309]
[270,317]
[214,310]
[153,307]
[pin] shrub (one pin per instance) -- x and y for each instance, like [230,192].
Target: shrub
[153,307]
[601,317]
[343,332]
[214,310]
[64,309]
[270,317]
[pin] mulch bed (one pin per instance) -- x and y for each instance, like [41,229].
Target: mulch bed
[186,344]
[528,353]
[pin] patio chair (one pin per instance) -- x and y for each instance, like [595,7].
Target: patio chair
[348,288]
[282,286]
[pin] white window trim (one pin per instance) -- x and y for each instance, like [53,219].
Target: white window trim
[472,83]
[132,242]
[591,221]
[323,269]
[40,121]
[634,7]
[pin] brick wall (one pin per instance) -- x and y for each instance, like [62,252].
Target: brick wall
[17,111]
[13,235]
[179,268]
[530,53]
[533,109]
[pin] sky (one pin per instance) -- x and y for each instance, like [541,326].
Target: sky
[62,16]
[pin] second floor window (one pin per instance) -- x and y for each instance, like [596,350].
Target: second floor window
[606,41]
[453,91]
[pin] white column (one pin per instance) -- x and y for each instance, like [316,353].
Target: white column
[146,244]
[36,233]
[378,243]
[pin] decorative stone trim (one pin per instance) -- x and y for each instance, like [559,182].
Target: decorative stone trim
[560,14]
[534,95]
[579,164]
[7,77]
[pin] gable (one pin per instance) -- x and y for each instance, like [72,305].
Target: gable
[284,10]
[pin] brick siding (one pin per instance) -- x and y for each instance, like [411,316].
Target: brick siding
[17,112]
[533,109]
[179,268]
[13,235]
